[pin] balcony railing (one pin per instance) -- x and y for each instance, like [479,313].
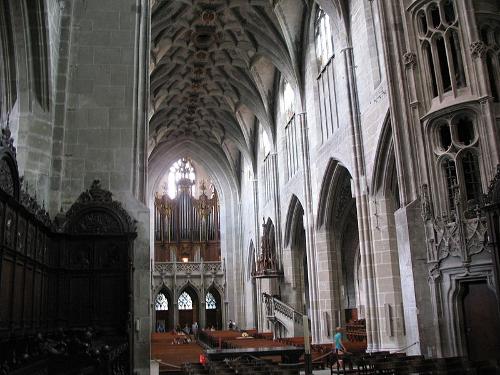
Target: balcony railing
[188,268]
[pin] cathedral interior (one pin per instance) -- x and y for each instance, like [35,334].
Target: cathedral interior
[277,167]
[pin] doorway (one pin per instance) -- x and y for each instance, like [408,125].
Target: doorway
[481,321]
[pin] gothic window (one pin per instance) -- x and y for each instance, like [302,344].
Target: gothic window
[323,38]
[38,42]
[456,147]
[291,129]
[266,144]
[210,302]
[472,181]
[185,302]
[326,85]
[288,101]
[490,35]
[266,167]
[181,171]
[161,302]
[439,34]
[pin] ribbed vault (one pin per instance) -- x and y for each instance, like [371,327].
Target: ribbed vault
[213,66]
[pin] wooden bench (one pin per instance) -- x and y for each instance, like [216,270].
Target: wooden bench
[289,354]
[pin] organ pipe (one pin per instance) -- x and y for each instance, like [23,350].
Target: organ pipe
[186,218]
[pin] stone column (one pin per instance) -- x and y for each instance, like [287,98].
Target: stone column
[312,263]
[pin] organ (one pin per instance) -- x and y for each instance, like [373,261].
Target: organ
[187,228]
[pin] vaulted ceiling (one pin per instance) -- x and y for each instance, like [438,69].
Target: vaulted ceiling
[213,71]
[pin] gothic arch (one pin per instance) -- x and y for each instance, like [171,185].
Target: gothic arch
[331,185]
[294,210]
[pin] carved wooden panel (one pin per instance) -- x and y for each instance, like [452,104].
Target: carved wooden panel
[79,301]
[6,290]
[21,235]
[28,298]
[30,240]
[10,228]
[18,297]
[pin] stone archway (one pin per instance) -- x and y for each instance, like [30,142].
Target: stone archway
[295,243]
[338,242]
[213,308]
[164,310]
[188,307]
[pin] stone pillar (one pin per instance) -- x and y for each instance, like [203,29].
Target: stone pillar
[421,330]
[315,314]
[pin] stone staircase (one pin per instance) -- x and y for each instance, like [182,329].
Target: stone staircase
[278,312]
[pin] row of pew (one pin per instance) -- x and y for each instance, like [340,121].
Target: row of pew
[172,353]
[402,364]
[242,365]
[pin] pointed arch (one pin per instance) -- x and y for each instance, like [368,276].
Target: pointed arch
[295,211]
[335,175]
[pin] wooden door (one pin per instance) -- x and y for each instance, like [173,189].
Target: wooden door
[481,321]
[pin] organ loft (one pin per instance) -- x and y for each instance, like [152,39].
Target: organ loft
[275,187]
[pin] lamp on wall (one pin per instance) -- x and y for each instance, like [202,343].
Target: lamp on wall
[185,257]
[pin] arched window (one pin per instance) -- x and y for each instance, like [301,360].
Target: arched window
[210,302]
[490,35]
[439,34]
[472,181]
[185,302]
[161,302]
[323,38]
[288,101]
[456,145]
[265,143]
[182,169]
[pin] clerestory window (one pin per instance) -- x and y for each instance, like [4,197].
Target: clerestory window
[323,38]
[441,47]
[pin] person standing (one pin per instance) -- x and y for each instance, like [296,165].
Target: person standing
[338,346]
[194,330]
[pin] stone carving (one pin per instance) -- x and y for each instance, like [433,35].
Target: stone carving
[410,60]
[478,49]
[493,195]
[426,204]
[461,235]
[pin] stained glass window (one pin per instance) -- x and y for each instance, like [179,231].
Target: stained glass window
[210,303]
[182,169]
[185,302]
[161,302]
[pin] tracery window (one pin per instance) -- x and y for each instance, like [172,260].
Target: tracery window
[490,35]
[182,169]
[439,34]
[291,130]
[185,302]
[161,302]
[210,302]
[456,146]
[323,38]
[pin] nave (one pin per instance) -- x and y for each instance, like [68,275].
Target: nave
[250,352]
